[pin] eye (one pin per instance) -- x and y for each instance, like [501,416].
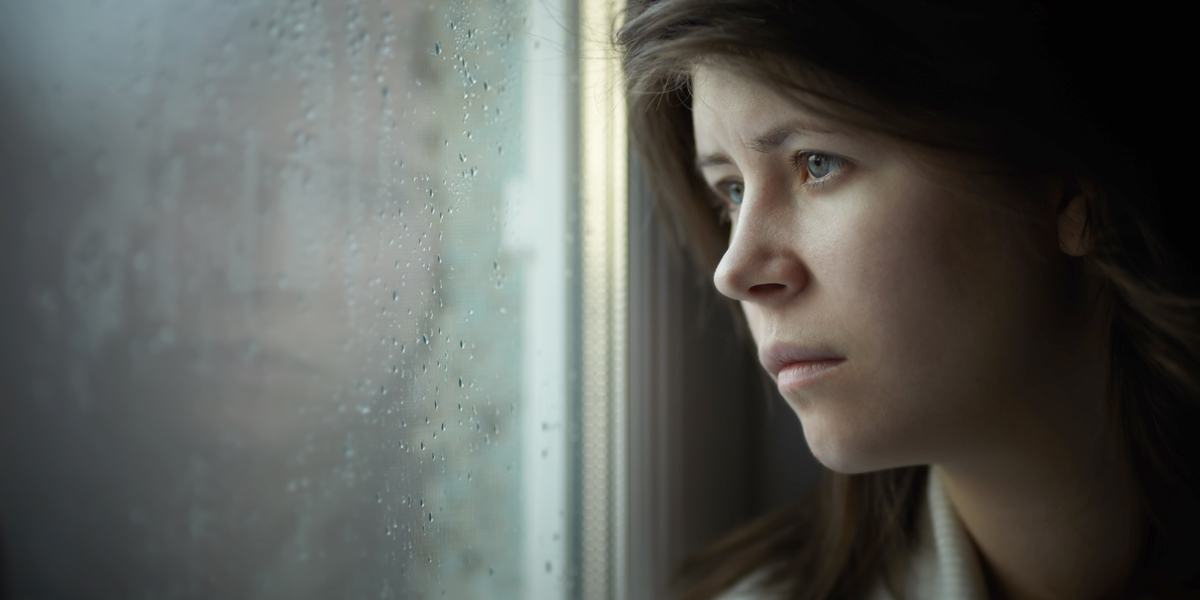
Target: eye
[734,190]
[821,165]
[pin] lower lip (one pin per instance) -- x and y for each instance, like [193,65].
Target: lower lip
[799,375]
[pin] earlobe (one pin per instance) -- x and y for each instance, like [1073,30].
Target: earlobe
[1072,224]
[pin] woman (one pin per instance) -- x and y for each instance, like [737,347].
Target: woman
[956,242]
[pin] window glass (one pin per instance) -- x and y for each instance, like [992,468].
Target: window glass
[285,299]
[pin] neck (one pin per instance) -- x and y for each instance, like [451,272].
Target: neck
[1054,515]
[1049,532]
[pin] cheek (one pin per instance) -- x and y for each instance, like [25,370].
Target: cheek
[901,257]
[933,301]
[917,274]
[934,269]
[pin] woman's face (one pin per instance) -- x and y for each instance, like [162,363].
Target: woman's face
[905,321]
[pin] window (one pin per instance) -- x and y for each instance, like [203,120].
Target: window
[330,298]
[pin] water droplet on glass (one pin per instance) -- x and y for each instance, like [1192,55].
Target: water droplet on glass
[437,47]
[462,157]
[422,502]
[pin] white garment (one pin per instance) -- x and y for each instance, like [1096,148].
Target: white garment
[944,566]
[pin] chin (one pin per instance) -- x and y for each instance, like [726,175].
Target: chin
[846,448]
[847,463]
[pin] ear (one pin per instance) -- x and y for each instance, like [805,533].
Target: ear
[1072,202]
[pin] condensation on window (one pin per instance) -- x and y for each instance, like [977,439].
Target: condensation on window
[285,293]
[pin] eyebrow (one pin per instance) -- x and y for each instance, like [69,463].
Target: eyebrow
[764,144]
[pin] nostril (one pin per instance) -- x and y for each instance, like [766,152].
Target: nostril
[767,288]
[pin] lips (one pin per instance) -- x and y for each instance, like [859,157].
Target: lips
[775,357]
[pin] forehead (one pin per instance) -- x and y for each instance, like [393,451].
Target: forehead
[729,108]
[721,86]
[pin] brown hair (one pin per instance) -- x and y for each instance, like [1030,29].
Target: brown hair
[1006,88]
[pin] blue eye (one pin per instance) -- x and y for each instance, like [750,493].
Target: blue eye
[820,165]
[735,190]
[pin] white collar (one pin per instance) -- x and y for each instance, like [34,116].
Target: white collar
[944,565]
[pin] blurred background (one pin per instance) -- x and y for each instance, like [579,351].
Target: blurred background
[290,301]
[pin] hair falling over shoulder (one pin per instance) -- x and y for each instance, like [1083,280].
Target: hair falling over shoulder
[1020,89]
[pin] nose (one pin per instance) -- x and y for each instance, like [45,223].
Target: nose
[763,263]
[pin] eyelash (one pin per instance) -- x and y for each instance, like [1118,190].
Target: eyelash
[798,162]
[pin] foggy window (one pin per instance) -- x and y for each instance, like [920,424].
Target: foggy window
[287,299]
